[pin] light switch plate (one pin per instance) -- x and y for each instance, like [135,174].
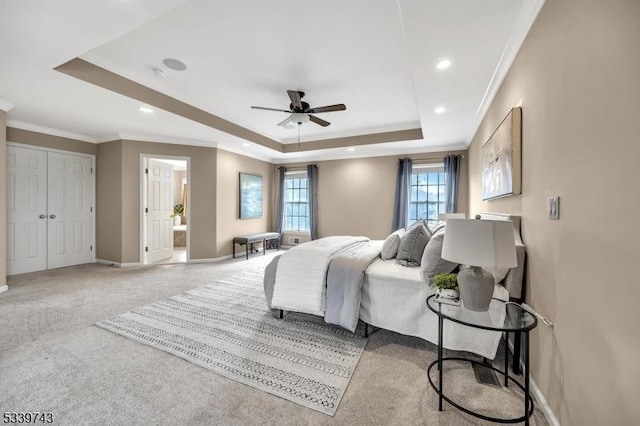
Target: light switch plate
[553,208]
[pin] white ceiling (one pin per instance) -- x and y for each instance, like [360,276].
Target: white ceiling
[376,56]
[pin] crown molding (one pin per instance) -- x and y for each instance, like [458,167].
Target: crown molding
[50,131]
[248,153]
[523,24]
[156,139]
[109,138]
[394,128]
[5,106]
[339,154]
[192,142]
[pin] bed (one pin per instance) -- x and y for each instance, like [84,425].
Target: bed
[381,293]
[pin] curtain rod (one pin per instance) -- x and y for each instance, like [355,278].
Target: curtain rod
[412,159]
[433,158]
[293,168]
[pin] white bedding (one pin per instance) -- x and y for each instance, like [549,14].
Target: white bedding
[393,298]
[300,277]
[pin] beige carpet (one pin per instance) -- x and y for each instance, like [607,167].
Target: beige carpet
[53,359]
[226,327]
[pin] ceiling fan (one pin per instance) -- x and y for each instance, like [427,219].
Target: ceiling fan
[301,112]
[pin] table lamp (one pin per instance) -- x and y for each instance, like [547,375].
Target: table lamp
[478,243]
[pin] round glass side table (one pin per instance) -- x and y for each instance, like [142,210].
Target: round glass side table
[503,317]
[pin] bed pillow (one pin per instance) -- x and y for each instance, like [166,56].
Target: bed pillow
[391,244]
[438,226]
[432,262]
[498,273]
[412,244]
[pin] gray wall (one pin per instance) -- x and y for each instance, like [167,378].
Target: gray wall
[578,78]
[3,197]
[203,197]
[356,196]
[228,219]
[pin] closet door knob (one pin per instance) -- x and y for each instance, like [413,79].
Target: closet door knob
[42,216]
[52,216]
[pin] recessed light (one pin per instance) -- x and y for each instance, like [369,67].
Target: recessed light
[174,64]
[246,144]
[351,149]
[441,110]
[443,64]
[145,110]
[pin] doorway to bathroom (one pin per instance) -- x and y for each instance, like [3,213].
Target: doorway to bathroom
[165,201]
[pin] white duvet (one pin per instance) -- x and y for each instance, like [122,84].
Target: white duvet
[300,283]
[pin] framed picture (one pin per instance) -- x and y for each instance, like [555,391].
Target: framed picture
[250,196]
[502,158]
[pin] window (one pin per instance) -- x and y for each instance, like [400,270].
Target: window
[296,202]
[426,193]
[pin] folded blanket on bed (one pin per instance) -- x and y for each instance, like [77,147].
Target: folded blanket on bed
[301,274]
[344,283]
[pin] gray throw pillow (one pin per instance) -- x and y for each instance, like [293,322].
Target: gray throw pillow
[432,262]
[412,244]
[391,244]
[418,223]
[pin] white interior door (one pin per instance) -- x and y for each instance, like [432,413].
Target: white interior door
[70,205]
[26,210]
[160,208]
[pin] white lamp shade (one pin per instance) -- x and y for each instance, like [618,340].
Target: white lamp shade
[486,243]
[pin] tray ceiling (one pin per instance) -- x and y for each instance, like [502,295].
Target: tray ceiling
[376,56]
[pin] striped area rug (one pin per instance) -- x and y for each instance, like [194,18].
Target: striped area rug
[226,327]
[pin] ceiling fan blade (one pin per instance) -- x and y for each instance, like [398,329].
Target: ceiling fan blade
[271,109]
[286,121]
[295,99]
[328,108]
[319,121]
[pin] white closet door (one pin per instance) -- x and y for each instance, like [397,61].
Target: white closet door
[160,205]
[70,201]
[26,210]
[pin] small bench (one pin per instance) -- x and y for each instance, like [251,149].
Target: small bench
[249,240]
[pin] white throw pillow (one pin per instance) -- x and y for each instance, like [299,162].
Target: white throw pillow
[391,244]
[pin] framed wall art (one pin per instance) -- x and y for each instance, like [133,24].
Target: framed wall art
[502,158]
[250,196]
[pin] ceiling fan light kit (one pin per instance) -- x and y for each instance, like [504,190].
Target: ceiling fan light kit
[301,112]
[300,118]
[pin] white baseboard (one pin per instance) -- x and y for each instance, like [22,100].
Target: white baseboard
[117,264]
[212,260]
[3,288]
[543,405]
[128,265]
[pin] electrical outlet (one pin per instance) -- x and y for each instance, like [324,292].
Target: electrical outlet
[553,208]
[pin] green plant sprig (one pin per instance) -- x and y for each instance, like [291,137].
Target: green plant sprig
[178,209]
[445,281]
